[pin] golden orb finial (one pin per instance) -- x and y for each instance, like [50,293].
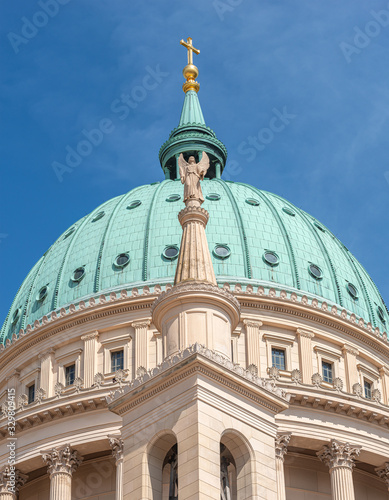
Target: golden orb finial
[190,71]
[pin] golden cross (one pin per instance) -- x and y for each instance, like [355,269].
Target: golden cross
[191,49]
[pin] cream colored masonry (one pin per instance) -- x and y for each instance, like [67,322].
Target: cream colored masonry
[309,332]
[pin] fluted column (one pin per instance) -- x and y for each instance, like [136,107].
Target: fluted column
[46,382]
[339,457]
[350,359]
[116,443]
[253,342]
[90,352]
[305,355]
[10,482]
[62,462]
[282,441]
[383,473]
[194,260]
[141,344]
[384,374]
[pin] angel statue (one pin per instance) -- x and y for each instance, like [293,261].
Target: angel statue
[191,174]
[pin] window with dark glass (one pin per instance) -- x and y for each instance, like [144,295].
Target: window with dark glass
[31,393]
[278,358]
[367,388]
[327,372]
[70,374]
[117,361]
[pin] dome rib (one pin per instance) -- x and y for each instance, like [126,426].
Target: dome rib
[288,243]
[323,248]
[238,215]
[108,226]
[145,269]
[65,258]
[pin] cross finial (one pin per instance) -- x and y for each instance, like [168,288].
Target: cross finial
[188,44]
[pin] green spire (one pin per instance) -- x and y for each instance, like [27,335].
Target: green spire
[191,110]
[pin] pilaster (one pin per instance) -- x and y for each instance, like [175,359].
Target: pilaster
[305,354]
[339,457]
[61,462]
[47,377]
[116,443]
[90,354]
[384,374]
[141,344]
[350,359]
[281,448]
[253,342]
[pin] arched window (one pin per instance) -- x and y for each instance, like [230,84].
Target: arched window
[236,467]
[162,466]
[227,474]
[170,475]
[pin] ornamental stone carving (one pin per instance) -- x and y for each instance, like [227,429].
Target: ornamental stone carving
[376,396]
[383,473]
[349,349]
[253,369]
[99,379]
[63,460]
[11,480]
[338,384]
[58,389]
[78,384]
[296,376]
[282,442]
[40,395]
[305,333]
[274,373]
[317,379]
[357,390]
[23,401]
[116,443]
[338,454]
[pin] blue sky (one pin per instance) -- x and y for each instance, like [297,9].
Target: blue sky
[324,63]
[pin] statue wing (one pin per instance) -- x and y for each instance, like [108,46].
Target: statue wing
[203,165]
[182,165]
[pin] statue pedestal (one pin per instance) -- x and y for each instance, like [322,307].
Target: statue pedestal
[196,312]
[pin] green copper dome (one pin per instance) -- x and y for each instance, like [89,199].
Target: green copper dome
[254,238]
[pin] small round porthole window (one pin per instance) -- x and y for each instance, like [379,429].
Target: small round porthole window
[69,232]
[381,314]
[78,274]
[253,202]
[16,315]
[213,196]
[222,251]
[288,211]
[173,197]
[42,293]
[352,290]
[315,271]
[134,204]
[122,260]
[319,227]
[98,216]
[171,252]
[271,258]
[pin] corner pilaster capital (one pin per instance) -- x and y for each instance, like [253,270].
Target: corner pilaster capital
[11,481]
[15,373]
[116,444]
[305,333]
[251,323]
[61,460]
[90,336]
[338,454]
[282,442]
[384,370]
[383,473]
[141,324]
[350,350]
[45,355]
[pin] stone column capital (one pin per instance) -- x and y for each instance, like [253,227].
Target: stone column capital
[251,323]
[384,370]
[383,473]
[282,441]
[145,323]
[61,460]
[116,444]
[305,333]
[338,454]
[11,480]
[90,336]
[44,355]
[350,350]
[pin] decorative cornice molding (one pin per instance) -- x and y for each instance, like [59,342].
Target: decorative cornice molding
[338,454]
[281,446]
[61,460]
